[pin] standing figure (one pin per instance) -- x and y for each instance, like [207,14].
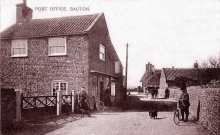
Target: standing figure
[156,92]
[184,104]
[67,104]
[153,92]
[167,93]
[107,97]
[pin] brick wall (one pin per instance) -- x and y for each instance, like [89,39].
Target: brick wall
[8,109]
[99,35]
[34,73]
[205,104]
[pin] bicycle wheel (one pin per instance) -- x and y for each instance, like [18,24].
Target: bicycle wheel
[176,117]
[100,106]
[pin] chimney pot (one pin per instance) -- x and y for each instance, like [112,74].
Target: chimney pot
[196,65]
[24,2]
[23,13]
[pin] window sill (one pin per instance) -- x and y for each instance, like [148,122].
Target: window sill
[102,60]
[56,55]
[19,56]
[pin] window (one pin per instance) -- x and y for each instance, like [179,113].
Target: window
[57,46]
[59,85]
[102,52]
[117,67]
[113,85]
[94,86]
[19,48]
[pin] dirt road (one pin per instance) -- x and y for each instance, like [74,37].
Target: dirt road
[129,123]
[132,120]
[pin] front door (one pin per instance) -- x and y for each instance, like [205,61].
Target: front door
[101,91]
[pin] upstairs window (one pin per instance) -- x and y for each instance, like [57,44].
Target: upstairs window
[19,48]
[102,52]
[57,46]
[117,67]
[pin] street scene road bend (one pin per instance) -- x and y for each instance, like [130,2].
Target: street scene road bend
[110,67]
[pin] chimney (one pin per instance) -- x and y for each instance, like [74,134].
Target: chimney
[147,66]
[23,13]
[196,65]
[149,69]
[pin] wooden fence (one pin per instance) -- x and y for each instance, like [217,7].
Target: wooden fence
[36,107]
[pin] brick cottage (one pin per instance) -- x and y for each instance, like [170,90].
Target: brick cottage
[41,56]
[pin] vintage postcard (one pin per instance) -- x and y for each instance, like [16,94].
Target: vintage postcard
[110,67]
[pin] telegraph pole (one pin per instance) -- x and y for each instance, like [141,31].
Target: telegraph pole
[126,71]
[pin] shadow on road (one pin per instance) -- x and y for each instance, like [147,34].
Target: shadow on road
[134,103]
[107,114]
[191,122]
[46,125]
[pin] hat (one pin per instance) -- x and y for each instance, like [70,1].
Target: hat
[183,87]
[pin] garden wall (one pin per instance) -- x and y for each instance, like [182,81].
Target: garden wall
[205,105]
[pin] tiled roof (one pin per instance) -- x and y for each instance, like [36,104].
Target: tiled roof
[153,81]
[158,72]
[172,73]
[51,27]
[145,75]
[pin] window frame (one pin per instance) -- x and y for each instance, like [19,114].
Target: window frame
[49,46]
[102,53]
[59,83]
[26,47]
[113,89]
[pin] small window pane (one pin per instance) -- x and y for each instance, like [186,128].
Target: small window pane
[57,46]
[19,47]
[102,52]
[62,86]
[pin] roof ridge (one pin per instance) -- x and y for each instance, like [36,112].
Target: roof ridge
[94,21]
[66,25]
[64,17]
[178,68]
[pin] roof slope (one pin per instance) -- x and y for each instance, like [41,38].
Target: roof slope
[158,72]
[172,73]
[153,81]
[145,75]
[51,27]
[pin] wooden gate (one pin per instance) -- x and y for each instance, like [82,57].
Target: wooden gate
[34,107]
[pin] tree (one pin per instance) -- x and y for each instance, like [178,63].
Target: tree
[212,62]
[209,70]
[183,81]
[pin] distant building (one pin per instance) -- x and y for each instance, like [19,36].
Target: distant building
[151,77]
[193,76]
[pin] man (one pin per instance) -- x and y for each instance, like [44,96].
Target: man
[67,102]
[184,103]
[167,93]
[107,97]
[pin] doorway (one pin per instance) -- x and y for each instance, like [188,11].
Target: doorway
[101,91]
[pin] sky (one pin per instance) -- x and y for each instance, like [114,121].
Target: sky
[166,33]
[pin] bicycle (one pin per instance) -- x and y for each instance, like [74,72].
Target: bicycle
[99,104]
[177,114]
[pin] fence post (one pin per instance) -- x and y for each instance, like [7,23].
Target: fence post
[59,102]
[18,104]
[73,100]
